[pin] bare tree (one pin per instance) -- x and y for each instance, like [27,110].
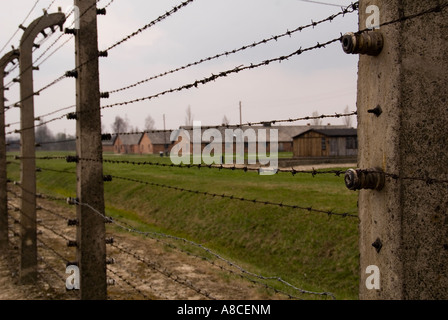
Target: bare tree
[150,123]
[42,133]
[347,120]
[225,121]
[120,125]
[189,117]
[316,121]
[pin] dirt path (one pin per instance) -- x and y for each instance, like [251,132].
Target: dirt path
[144,268]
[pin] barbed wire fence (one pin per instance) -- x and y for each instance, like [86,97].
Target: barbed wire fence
[57,248]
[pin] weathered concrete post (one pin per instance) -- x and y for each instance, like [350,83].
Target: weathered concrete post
[404,226]
[91,252]
[28,248]
[4,61]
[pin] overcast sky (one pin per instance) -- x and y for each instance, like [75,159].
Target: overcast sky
[322,80]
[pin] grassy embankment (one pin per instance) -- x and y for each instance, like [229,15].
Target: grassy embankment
[310,250]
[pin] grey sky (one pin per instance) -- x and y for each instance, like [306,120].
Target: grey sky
[322,80]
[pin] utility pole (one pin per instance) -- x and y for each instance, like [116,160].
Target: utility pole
[241,113]
[91,252]
[165,136]
[402,116]
[4,61]
[28,248]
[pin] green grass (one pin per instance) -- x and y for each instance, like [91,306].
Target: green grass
[310,250]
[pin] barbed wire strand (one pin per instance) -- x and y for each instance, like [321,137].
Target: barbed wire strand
[349,9]
[166,273]
[153,235]
[216,195]
[17,30]
[243,168]
[156,236]
[142,280]
[243,275]
[246,124]
[269,61]
[222,74]
[129,283]
[60,78]
[133,230]
[149,25]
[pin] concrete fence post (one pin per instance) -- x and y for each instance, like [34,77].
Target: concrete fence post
[91,253]
[28,248]
[4,61]
[404,226]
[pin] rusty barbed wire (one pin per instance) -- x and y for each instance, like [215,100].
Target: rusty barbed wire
[109,48]
[394,176]
[44,115]
[40,223]
[49,267]
[54,251]
[351,8]
[313,172]
[437,9]
[108,4]
[54,51]
[65,75]
[244,168]
[215,195]
[46,37]
[155,235]
[139,278]
[18,29]
[40,124]
[237,198]
[149,25]
[222,74]
[165,272]
[129,283]
[267,62]
[244,273]
[129,228]
[38,92]
[54,213]
[11,83]
[37,195]
[246,124]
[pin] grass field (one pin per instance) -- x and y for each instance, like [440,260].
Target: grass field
[310,250]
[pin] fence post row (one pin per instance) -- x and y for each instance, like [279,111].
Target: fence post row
[28,248]
[91,252]
[403,224]
[4,61]
[403,227]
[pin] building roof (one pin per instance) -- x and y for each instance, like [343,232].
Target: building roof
[332,132]
[110,142]
[130,139]
[285,133]
[159,137]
